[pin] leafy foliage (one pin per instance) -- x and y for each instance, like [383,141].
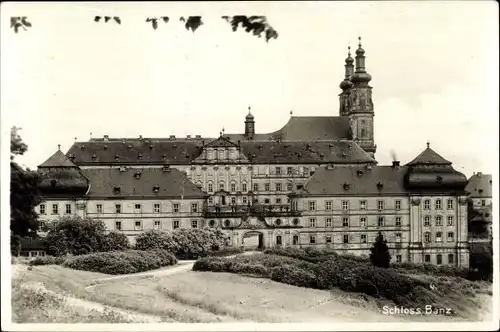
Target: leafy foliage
[115,241]
[257,25]
[192,22]
[15,245]
[183,243]
[379,252]
[122,262]
[107,18]
[17,22]
[24,193]
[48,260]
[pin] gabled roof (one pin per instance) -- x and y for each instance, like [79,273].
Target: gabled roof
[345,181]
[58,159]
[306,128]
[222,142]
[480,186]
[136,182]
[428,157]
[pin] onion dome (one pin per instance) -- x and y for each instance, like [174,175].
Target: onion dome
[249,116]
[346,84]
[360,75]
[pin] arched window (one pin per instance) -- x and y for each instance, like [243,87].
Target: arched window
[279,240]
[233,187]
[210,187]
[222,186]
[427,237]
[295,239]
[439,237]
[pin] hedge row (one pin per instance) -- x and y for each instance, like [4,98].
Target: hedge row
[121,262]
[47,260]
[435,270]
[225,251]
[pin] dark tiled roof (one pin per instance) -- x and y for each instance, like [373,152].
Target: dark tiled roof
[307,128]
[428,157]
[480,185]
[182,152]
[171,183]
[222,142]
[345,181]
[32,244]
[58,159]
[435,179]
[62,181]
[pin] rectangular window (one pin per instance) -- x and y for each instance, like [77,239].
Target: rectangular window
[42,208]
[398,237]
[55,209]
[194,207]
[244,200]
[398,205]
[398,258]
[439,221]
[244,187]
[451,259]
[210,187]
[380,205]
[362,221]
[255,187]
[295,239]
[138,225]
[328,205]
[483,202]
[362,205]
[233,187]
[345,222]
[328,222]
[398,221]
[427,221]
[278,186]
[345,205]
[439,237]
[98,208]
[427,237]
[118,225]
[363,238]
[289,170]
[279,240]
[222,186]
[267,187]
[267,200]
[328,239]
[176,207]
[427,258]
[312,222]
[278,200]
[118,208]
[346,238]
[68,209]
[176,224]
[449,221]
[449,205]
[312,205]
[439,259]
[233,200]
[157,224]
[210,200]
[312,239]
[380,221]
[427,204]
[156,208]
[194,223]
[450,237]
[137,207]
[289,187]
[278,170]
[438,204]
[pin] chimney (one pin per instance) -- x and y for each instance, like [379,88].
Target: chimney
[395,163]
[172,136]
[140,136]
[106,137]
[198,136]
[479,174]
[188,136]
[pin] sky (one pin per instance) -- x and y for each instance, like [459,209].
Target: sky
[434,67]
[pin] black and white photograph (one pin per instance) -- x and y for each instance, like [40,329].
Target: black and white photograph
[250,166]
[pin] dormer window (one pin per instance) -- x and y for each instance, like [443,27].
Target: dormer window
[151,146]
[137,175]
[82,147]
[359,172]
[117,157]
[129,147]
[164,156]
[380,186]
[156,189]
[439,179]
[346,186]
[344,155]
[53,183]
[116,190]
[94,157]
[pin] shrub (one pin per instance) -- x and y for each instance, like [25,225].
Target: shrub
[115,241]
[76,236]
[293,275]
[47,260]
[224,251]
[153,239]
[121,262]
[379,253]
[15,245]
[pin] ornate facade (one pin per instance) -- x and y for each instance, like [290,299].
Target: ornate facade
[290,186]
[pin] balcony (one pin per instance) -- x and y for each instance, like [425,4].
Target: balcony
[280,176]
[225,211]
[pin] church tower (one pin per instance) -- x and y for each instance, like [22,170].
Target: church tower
[361,106]
[346,84]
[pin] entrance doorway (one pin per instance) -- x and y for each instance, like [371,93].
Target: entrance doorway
[253,240]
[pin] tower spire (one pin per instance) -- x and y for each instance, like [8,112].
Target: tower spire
[346,84]
[360,77]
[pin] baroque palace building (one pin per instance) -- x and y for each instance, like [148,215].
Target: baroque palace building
[314,182]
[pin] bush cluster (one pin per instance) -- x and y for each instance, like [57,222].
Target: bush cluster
[47,260]
[224,251]
[435,270]
[77,236]
[314,255]
[183,243]
[122,262]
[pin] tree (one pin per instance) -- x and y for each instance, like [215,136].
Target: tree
[379,252]
[24,194]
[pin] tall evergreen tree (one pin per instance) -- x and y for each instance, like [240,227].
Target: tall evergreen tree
[379,252]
